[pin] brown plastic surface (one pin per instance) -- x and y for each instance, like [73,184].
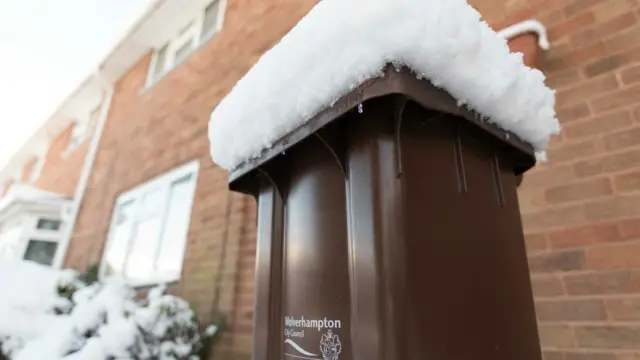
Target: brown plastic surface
[395,234]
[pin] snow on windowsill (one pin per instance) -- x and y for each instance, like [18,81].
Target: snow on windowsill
[341,44]
[27,193]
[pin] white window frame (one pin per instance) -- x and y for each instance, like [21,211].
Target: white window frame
[27,223]
[194,35]
[31,231]
[163,183]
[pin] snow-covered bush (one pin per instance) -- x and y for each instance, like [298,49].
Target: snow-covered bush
[50,314]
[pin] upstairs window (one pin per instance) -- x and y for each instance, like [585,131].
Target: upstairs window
[203,27]
[82,129]
[77,135]
[148,232]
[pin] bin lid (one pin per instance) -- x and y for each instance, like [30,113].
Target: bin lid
[394,82]
[340,44]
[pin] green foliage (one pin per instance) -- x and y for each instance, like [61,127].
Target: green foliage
[91,275]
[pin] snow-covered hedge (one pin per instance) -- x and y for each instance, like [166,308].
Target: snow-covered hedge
[50,314]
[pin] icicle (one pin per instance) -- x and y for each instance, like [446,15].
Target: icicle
[360,108]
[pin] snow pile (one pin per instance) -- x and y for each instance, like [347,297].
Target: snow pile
[342,43]
[32,295]
[47,314]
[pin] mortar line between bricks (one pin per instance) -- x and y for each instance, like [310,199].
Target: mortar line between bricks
[592,350]
[580,201]
[563,274]
[605,154]
[589,297]
[591,323]
[635,240]
[585,179]
[628,108]
[585,222]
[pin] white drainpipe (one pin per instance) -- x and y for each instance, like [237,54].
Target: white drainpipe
[527,26]
[58,261]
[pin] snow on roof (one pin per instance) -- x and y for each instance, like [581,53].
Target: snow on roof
[342,43]
[27,193]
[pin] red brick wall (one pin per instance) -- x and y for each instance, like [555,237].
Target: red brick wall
[152,131]
[581,212]
[61,170]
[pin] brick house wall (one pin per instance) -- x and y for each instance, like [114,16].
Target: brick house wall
[61,170]
[151,131]
[581,212]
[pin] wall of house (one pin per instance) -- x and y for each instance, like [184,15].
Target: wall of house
[581,212]
[6,186]
[61,170]
[28,169]
[149,132]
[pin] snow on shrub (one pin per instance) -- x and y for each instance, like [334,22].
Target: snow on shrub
[51,314]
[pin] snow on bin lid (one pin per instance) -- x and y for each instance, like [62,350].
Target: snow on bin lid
[340,44]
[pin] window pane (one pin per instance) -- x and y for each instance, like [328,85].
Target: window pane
[48,224]
[210,22]
[143,249]
[183,52]
[41,251]
[169,262]
[161,62]
[119,240]
[152,203]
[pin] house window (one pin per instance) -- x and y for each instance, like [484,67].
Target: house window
[41,251]
[82,129]
[149,229]
[48,224]
[78,134]
[178,49]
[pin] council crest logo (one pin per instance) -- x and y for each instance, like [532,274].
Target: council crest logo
[330,346]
